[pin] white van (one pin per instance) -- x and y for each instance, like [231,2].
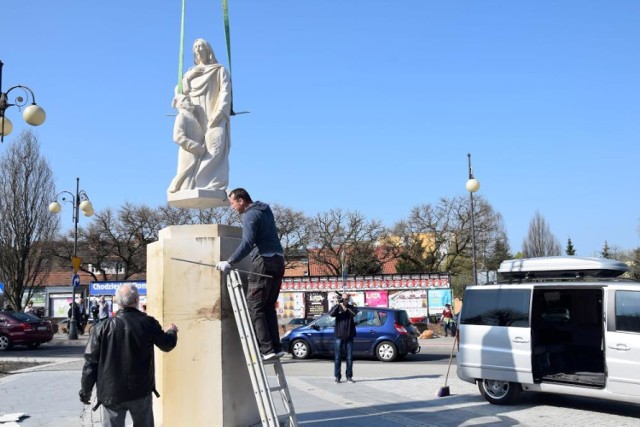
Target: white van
[547,327]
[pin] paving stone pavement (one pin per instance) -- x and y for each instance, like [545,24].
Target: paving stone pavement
[389,395]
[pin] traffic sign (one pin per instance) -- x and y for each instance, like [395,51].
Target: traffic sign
[1,288]
[76,261]
[75,282]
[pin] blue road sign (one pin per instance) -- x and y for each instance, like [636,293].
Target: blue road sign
[1,288]
[75,282]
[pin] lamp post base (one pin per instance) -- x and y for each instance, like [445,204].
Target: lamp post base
[73,330]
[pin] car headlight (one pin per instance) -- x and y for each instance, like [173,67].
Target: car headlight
[286,334]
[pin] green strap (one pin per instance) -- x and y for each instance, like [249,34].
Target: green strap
[225,11]
[181,57]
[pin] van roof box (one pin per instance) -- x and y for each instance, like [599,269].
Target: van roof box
[561,267]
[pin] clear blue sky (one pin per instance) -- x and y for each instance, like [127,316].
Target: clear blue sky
[369,105]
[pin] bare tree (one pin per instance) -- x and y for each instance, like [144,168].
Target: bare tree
[540,241]
[293,230]
[361,239]
[170,215]
[437,238]
[634,270]
[26,226]
[121,238]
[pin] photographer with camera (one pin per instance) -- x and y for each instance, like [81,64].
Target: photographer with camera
[343,333]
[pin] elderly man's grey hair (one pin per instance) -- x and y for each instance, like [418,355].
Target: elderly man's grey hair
[127,295]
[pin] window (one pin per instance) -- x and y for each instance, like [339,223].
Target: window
[496,307]
[370,318]
[628,311]
[325,322]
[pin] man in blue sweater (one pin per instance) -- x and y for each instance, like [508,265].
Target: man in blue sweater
[260,239]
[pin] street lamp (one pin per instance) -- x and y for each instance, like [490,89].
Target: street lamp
[33,114]
[79,201]
[472,186]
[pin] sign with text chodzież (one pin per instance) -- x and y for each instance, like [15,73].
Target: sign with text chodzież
[109,288]
[367,283]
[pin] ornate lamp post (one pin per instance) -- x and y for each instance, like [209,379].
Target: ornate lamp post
[33,114]
[472,186]
[79,201]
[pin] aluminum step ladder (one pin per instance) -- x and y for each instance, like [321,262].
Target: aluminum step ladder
[262,390]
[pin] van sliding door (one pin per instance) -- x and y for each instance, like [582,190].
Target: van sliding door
[622,339]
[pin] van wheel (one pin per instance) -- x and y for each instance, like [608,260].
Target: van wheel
[386,351]
[499,392]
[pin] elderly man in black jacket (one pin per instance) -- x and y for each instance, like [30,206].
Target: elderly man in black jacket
[119,360]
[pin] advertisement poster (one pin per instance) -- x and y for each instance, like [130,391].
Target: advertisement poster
[357,298]
[377,298]
[316,304]
[290,305]
[413,302]
[59,305]
[437,299]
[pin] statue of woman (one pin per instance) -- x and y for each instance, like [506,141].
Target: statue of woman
[208,86]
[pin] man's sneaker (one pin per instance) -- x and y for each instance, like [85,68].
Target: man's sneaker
[337,380]
[280,354]
[269,356]
[350,380]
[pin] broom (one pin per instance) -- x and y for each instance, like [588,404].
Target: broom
[444,391]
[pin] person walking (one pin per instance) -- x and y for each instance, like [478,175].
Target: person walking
[260,239]
[447,321]
[125,378]
[343,334]
[104,310]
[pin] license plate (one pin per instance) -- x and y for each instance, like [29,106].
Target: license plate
[42,328]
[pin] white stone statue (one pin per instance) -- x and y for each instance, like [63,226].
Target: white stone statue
[208,87]
[188,134]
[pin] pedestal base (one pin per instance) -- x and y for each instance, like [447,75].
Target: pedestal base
[204,381]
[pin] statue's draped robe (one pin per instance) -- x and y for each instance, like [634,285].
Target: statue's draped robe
[210,93]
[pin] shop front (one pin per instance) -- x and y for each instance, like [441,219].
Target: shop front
[108,289]
[420,295]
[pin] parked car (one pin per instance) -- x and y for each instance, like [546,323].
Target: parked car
[385,333]
[18,328]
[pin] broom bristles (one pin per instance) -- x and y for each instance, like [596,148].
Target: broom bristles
[444,392]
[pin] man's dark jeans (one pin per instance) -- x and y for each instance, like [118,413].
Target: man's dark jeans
[261,301]
[340,345]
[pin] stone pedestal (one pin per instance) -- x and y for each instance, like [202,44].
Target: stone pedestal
[204,380]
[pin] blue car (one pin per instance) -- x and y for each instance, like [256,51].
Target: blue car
[385,333]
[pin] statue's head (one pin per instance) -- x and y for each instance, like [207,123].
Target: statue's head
[203,53]
[182,102]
